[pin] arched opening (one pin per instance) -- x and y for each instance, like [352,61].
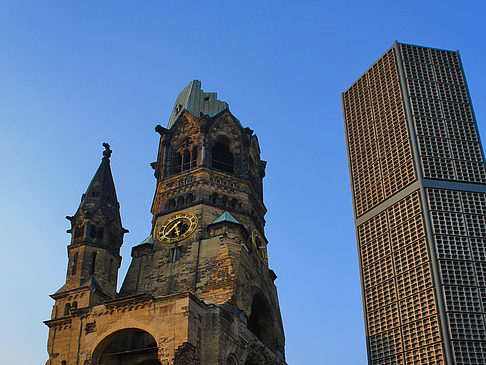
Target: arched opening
[178,163]
[180,201]
[261,322]
[92,231]
[194,157]
[93,263]
[222,157]
[224,200]
[231,360]
[189,199]
[253,359]
[100,233]
[75,264]
[214,198]
[67,308]
[234,203]
[186,161]
[78,232]
[127,347]
[171,204]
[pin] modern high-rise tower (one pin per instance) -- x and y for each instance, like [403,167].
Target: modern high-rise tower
[199,290]
[418,181]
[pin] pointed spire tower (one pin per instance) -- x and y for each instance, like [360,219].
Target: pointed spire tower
[96,238]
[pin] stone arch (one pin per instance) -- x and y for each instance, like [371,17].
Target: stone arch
[254,358]
[129,346]
[231,360]
[262,320]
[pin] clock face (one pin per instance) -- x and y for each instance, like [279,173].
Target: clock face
[176,227]
[260,246]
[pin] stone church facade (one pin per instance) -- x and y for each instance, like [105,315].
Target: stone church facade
[198,289]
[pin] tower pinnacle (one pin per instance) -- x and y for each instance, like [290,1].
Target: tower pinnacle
[101,191]
[99,210]
[107,152]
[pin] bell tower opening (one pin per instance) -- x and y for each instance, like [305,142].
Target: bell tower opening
[127,347]
[222,158]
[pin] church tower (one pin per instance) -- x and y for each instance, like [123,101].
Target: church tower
[94,251]
[198,289]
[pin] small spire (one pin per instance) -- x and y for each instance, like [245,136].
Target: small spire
[101,191]
[107,152]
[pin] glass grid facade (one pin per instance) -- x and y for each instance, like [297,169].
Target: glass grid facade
[418,180]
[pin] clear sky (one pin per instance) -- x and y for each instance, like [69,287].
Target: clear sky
[75,74]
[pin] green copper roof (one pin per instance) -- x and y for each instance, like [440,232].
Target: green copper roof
[149,239]
[196,101]
[226,216]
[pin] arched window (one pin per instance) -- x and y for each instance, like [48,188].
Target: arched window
[194,157]
[231,360]
[93,263]
[222,157]
[130,346]
[92,231]
[186,160]
[175,254]
[67,307]
[78,232]
[178,163]
[224,200]
[100,232]
[74,264]
[74,305]
[189,199]
[214,198]
[180,201]
[234,203]
[253,359]
[171,204]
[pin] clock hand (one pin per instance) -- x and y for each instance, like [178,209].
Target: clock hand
[173,227]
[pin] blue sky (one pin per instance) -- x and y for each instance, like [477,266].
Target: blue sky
[75,74]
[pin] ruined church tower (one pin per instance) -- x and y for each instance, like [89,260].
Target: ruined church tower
[198,289]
